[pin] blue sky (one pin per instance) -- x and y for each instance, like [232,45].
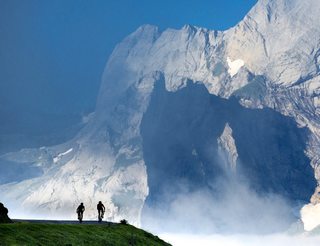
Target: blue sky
[52,53]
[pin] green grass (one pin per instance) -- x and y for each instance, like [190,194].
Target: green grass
[60,234]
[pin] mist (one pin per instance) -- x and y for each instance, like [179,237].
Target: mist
[236,209]
[240,216]
[241,240]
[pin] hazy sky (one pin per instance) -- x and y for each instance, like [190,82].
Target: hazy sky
[52,53]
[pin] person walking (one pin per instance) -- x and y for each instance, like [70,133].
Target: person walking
[80,211]
[101,209]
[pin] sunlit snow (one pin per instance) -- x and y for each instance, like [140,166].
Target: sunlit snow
[58,157]
[234,66]
[310,215]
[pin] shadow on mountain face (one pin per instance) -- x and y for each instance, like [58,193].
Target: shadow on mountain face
[180,131]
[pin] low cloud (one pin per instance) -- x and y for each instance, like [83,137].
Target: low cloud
[238,217]
[240,240]
[235,209]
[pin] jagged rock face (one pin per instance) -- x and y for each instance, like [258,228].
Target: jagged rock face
[269,60]
[227,148]
[180,132]
[279,38]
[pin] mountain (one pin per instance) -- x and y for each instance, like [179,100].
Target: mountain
[172,102]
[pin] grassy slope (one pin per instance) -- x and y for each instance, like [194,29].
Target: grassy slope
[58,234]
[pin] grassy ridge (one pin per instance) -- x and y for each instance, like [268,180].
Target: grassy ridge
[60,234]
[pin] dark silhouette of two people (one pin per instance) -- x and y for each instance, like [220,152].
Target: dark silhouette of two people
[100,207]
[4,218]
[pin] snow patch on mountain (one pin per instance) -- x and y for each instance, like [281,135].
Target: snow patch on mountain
[59,156]
[310,216]
[234,66]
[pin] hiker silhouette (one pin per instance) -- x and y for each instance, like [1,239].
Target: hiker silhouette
[101,210]
[4,218]
[80,211]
